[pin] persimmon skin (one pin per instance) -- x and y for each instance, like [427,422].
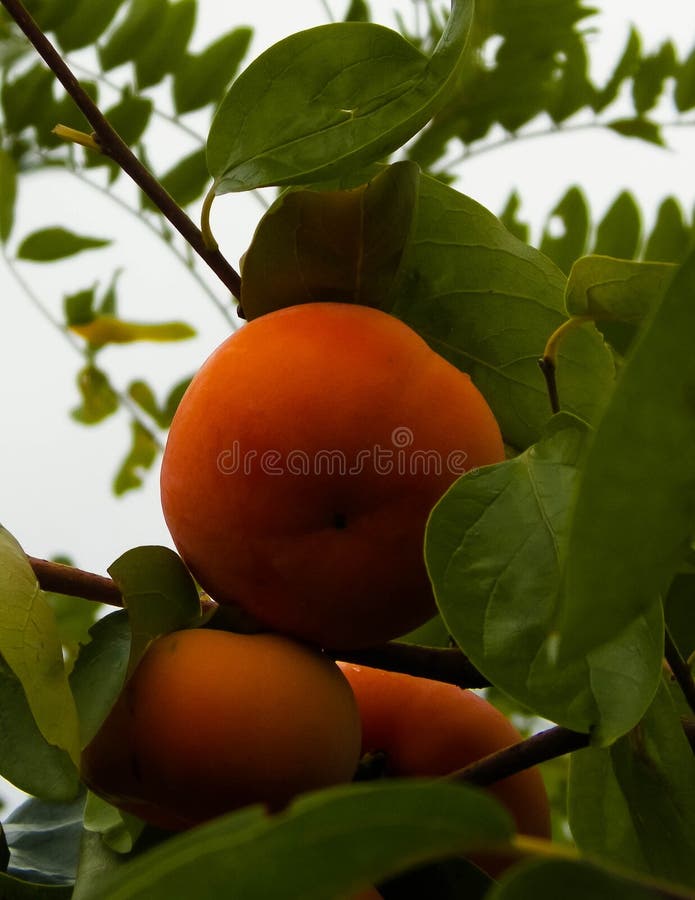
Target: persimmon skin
[212,721]
[303,462]
[429,728]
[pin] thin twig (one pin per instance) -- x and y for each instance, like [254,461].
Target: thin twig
[450,666]
[114,147]
[62,579]
[681,670]
[539,748]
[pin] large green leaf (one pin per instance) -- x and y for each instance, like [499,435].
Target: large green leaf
[488,303]
[8,193]
[202,78]
[363,91]
[331,245]
[634,516]
[327,844]
[634,803]
[607,288]
[31,647]
[494,549]
[26,758]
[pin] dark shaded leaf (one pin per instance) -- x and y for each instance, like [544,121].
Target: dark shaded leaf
[79,307]
[186,181]
[358,11]
[342,246]
[26,98]
[8,193]
[133,34]
[573,90]
[637,487]
[167,44]
[510,220]
[566,233]
[647,781]
[619,232]
[327,844]
[670,239]
[651,75]
[99,673]
[49,244]
[130,116]
[643,129]
[202,78]
[685,84]
[626,67]
[87,23]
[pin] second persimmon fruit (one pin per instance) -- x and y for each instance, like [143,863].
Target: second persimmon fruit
[302,465]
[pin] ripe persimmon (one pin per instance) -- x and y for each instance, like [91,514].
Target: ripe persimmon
[211,721]
[424,727]
[303,462]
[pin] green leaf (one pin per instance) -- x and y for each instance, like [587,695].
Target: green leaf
[132,35]
[167,44]
[87,23]
[618,233]
[186,181]
[363,89]
[358,11]
[685,84]
[634,803]
[670,239]
[201,79]
[26,97]
[144,396]
[328,844]
[548,880]
[119,830]
[79,307]
[571,218]
[573,89]
[8,194]
[625,68]
[141,456]
[494,548]
[26,758]
[344,246]
[44,839]
[74,617]
[651,75]
[607,288]
[65,112]
[30,645]
[99,673]
[637,488]
[644,129]
[99,400]
[510,220]
[159,594]
[678,609]
[49,244]
[488,303]
[102,330]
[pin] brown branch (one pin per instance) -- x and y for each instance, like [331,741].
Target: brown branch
[539,748]
[74,582]
[681,670]
[547,367]
[113,146]
[450,666]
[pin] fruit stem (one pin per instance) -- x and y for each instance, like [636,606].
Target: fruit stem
[77,137]
[548,362]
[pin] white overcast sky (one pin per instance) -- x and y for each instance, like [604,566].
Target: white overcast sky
[54,480]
